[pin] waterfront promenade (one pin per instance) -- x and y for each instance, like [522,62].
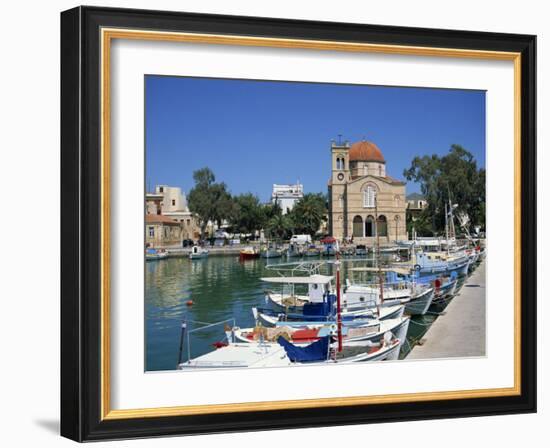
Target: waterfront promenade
[460,332]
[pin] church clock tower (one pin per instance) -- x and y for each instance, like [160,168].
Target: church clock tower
[338,188]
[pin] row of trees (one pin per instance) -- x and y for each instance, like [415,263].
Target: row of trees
[211,201]
[455,177]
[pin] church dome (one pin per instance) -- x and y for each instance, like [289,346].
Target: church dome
[364,151]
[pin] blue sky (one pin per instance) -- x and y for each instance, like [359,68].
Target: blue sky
[253,134]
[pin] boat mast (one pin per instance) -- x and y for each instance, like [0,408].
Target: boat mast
[378,260]
[447,227]
[338,308]
[182,336]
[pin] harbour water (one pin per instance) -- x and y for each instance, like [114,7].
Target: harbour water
[220,288]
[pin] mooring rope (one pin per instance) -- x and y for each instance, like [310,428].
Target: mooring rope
[435,313]
[422,325]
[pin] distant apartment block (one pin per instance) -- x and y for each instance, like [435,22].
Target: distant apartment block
[287,196]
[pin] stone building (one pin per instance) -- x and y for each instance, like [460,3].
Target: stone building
[162,231]
[171,202]
[415,204]
[363,198]
[153,203]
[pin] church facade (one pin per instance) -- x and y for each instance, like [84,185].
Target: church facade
[363,199]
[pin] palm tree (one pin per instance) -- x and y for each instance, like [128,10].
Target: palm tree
[279,227]
[309,213]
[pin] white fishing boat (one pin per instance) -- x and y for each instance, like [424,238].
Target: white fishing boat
[350,317]
[363,335]
[429,263]
[271,251]
[355,298]
[317,287]
[294,250]
[198,253]
[284,354]
[417,297]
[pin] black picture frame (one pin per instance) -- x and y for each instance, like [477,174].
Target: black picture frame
[81,224]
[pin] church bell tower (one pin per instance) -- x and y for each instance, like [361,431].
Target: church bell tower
[338,190]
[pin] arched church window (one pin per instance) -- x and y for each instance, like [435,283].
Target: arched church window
[369,197]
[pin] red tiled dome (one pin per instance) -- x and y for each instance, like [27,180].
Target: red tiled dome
[364,151]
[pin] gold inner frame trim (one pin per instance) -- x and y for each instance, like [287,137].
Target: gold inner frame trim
[107,35]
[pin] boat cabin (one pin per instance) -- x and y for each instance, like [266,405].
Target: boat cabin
[318,286]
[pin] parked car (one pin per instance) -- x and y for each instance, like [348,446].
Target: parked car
[187,243]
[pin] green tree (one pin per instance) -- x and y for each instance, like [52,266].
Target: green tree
[248,214]
[279,227]
[224,203]
[309,213]
[454,177]
[421,224]
[271,210]
[208,200]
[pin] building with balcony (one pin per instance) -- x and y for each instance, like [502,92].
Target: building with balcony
[287,196]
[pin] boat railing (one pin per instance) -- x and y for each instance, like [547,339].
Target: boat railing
[186,333]
[398,284]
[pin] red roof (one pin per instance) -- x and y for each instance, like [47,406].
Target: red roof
[364,151]
[160,219]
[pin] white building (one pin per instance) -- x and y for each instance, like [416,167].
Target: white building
[174,199]
[287,196]
[172,202]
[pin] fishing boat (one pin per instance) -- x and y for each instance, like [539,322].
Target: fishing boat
[155,254]
[429,263]
[399,287]
[270,318]
[312,251]
[198,253]
[248,253]
[330,246]
[363,335]
[319,287]
[445,286]
[283,353]
[294,250]
[312,314]
[271,251]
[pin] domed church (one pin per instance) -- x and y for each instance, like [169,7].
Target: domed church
[363,198]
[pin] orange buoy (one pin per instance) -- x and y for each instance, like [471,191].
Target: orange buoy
[189,303]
